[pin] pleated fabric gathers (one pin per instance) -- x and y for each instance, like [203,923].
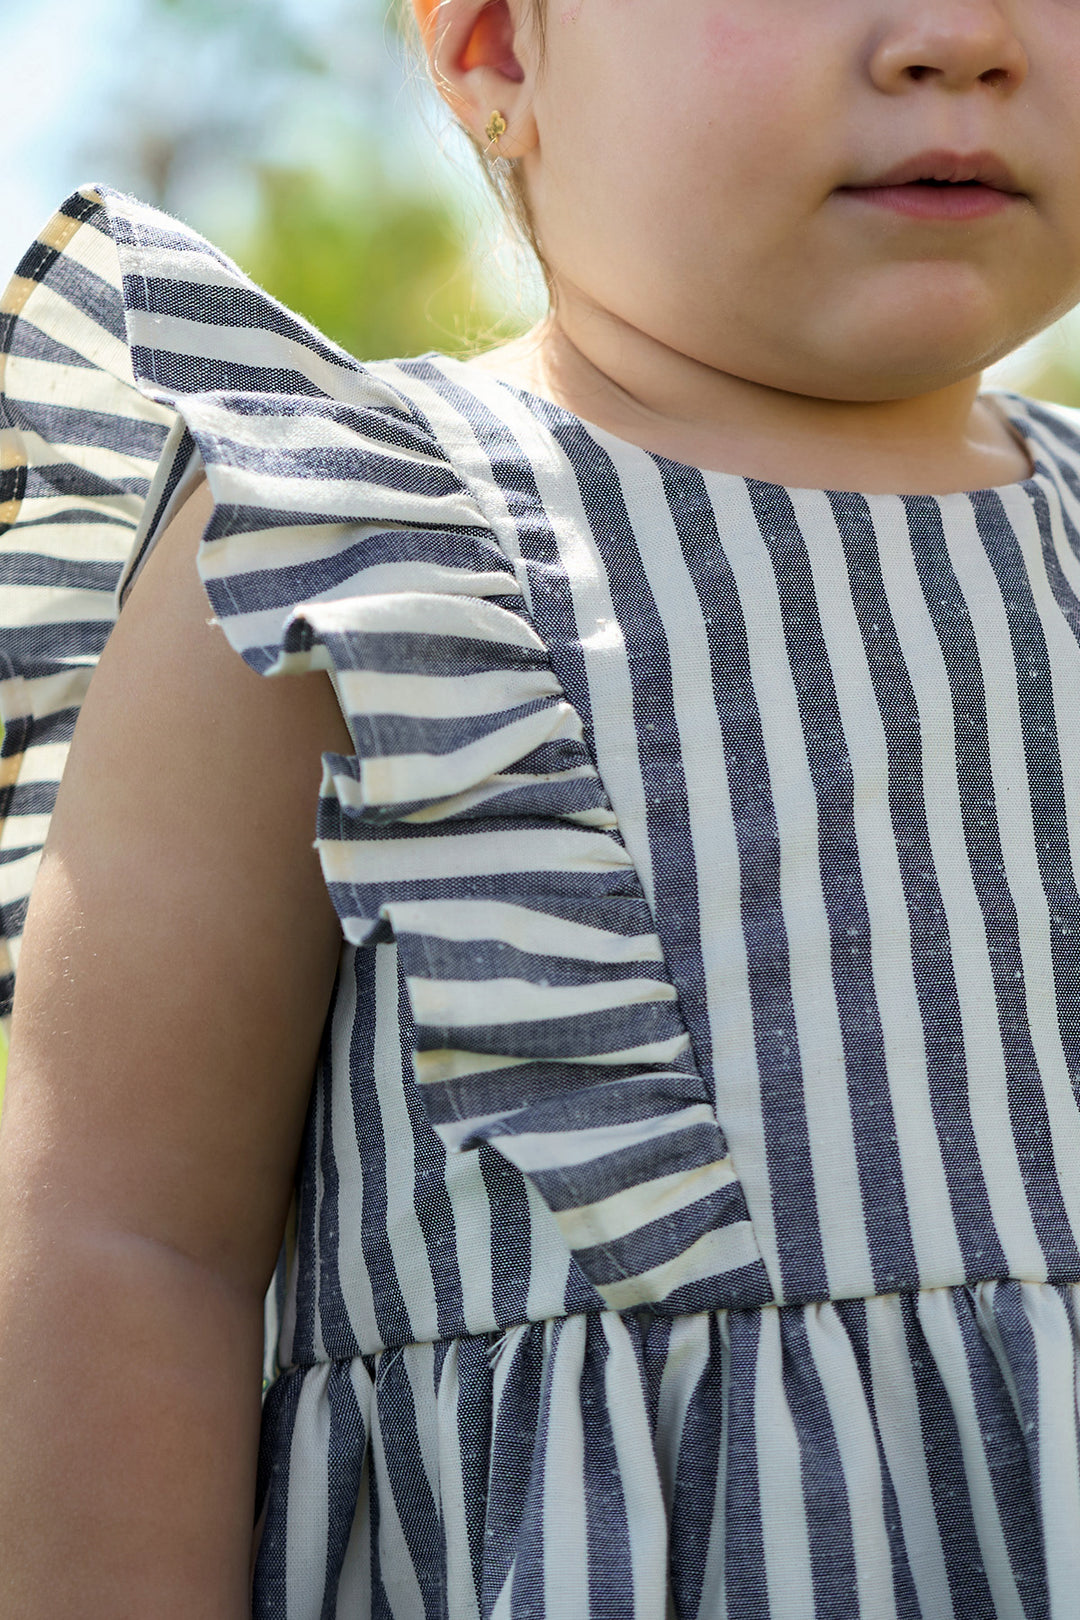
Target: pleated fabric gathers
[686,1221]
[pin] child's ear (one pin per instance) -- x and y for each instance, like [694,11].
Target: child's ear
[481,63]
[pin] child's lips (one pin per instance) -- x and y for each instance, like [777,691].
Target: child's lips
[941,202]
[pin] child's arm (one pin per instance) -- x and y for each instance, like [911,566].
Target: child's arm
[177,963]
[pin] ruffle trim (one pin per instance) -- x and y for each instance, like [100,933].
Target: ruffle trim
[470,826]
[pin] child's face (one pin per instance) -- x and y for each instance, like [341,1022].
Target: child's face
[693,153]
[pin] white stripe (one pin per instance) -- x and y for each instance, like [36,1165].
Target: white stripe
[461,1003]
[450,1495]
[475,854]
[341,498]
[566,1547]
[928,1206]
[354,1583]
[433,1068]
[524,928]
[549,1259]
[714,1603]
[970,956]
[636,1461]
[471,1209]
[453,697]
[308,1514]
[809,948]
[403,778]
[51,383]
[316,1120]
[87,246]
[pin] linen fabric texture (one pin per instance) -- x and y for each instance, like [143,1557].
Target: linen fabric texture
[686,1221]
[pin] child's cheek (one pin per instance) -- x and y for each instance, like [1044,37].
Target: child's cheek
[760,56]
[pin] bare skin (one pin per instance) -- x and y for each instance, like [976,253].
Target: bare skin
[179,956]
[723,294]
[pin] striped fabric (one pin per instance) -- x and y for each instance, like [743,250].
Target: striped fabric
[687,1216]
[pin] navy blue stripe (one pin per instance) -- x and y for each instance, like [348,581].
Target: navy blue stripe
[511,1235]
[29,568]
[408,1483]
[83,426]
[144,232]
[29,342]
[475,1394]
[179,374]
[478,959]
[284,586]
[702,1444]
[512,473]
[747,1589]
[358,464]
[615,1029]
[528,1589]
[389,735]
[338,1335]
[677,1151]
[31,799]
[272,1491]
[947,1474]
[344,1476]
[657,1242]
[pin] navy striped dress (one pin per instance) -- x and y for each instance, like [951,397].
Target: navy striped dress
[688,1215]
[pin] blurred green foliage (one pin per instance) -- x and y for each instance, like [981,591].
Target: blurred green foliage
[379,269]
[292,133]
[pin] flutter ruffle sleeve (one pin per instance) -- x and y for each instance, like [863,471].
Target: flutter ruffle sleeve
[470,826]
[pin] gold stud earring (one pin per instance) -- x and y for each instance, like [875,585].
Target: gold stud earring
[496,126]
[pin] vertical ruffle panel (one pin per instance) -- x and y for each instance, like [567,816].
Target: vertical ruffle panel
[471,825]
[472,828]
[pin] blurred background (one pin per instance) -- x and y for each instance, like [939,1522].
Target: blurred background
[300,135]
[303,138]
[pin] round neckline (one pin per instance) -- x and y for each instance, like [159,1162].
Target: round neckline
[999,399]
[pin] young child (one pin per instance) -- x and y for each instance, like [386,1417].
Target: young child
[674,1035]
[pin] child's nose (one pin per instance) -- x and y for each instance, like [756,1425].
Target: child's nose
[956,43]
